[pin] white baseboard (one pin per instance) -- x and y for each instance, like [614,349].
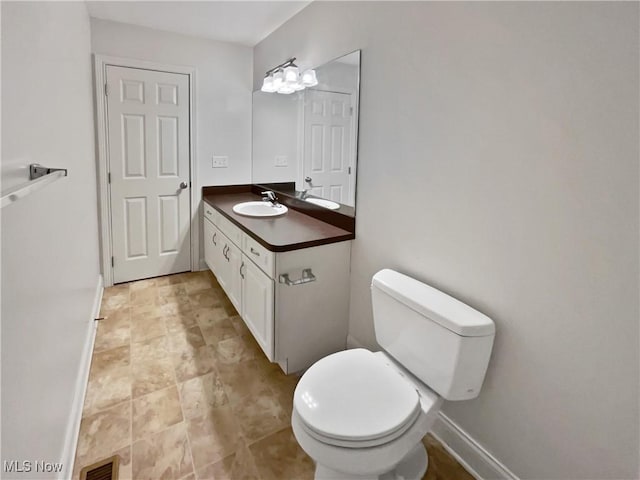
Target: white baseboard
[473,456]
[73,429]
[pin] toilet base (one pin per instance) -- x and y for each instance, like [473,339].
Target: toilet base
[412,467]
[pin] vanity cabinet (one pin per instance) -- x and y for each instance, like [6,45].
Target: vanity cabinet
[295,303]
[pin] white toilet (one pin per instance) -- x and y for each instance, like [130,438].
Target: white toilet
[362,415]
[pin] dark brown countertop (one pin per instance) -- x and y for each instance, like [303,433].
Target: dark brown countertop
[291,231]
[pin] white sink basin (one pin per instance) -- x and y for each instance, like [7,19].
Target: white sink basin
[324,203]
[259,209]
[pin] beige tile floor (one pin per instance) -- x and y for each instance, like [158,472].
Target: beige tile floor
[179,389]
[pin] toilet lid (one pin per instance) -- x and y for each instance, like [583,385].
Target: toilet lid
[353,395]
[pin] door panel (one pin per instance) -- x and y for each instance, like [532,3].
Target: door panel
[133,146]
[148,142]
[169,224]
[168,152]
[135,212]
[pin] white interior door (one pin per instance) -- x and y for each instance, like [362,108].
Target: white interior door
[148,141]
[328,152]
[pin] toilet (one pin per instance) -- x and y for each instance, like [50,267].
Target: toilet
[362,415]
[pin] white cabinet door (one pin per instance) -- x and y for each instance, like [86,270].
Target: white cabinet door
[257,305]
[221,262]
[211,240]
[233,279]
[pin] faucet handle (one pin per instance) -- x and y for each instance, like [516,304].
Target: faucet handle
[269,195]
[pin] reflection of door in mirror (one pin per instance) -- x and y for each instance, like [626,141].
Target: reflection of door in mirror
[328,153]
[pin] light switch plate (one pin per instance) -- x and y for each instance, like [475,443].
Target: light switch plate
[281,161]
[219,161]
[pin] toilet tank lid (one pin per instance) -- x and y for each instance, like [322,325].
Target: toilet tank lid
[443,309]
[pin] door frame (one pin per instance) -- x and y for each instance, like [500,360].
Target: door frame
[104,196]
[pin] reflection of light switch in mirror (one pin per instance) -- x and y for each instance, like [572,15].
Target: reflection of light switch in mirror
[219,162]
[281,161]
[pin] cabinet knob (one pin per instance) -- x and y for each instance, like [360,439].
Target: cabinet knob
[255,252]
[241,274]
[213,239]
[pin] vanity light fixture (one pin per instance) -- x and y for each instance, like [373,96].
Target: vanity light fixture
[286,78]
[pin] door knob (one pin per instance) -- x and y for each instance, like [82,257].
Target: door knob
[183,185]
[307,179]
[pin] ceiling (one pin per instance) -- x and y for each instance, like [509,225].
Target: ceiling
[243,22]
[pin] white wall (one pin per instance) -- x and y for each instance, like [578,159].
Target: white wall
[499,162]
[276,133]
[338,77]
[50,266]
[222,93]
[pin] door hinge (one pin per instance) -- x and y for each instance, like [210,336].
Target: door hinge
[349,170]
[351,111]
[109,177]
[106,89]
[112,262]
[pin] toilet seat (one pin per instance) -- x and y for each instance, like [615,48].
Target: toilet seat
[355,399]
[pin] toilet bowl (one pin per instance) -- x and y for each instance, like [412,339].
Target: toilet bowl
[362,446]
[362,415]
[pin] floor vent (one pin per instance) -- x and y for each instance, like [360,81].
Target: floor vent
[103,470]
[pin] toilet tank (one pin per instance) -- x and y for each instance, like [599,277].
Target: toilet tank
[440,340]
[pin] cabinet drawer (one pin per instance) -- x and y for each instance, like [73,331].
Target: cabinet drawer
[212,214]
[259,255]
[232,232]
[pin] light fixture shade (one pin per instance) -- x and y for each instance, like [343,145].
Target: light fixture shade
[291,75]
[286,89]
[267,84]
[309,78]
[278,79]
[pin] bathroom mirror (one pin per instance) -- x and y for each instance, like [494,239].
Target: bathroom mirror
[306,143]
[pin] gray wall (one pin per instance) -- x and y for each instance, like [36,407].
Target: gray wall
[50,267]
[499,162]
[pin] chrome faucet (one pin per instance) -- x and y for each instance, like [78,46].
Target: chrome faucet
[270,196]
